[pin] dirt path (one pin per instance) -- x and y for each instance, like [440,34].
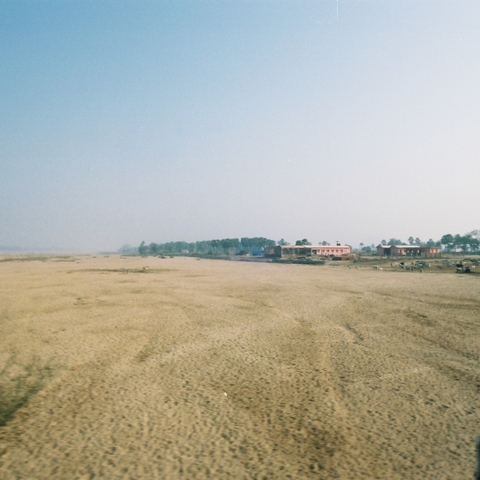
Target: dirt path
[211,369]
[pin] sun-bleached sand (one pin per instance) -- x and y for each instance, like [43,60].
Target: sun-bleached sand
[198,369]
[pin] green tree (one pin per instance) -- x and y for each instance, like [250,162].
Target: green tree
[475,244]
[447,241]
[256,243]
[226,244]
[475,233]
[467,242]
[215,244]
[458,241]
[246,244]
[153,249]
[394,241]
[411,240]
[142,249]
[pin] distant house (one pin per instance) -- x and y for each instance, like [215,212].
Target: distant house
[383,250]
[407,251]
[430,251]
[304,251]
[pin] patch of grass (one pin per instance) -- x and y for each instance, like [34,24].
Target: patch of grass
[64,258]
[29,258]
[38,258]
[124,270]
[18,383]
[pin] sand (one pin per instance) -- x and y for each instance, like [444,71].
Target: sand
[198,369]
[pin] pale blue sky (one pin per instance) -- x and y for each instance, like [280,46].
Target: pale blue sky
[191,120]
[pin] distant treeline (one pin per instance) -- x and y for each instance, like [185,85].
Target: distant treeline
[470,242]
[225,246]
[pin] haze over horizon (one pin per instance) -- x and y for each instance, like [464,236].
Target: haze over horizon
[192,120]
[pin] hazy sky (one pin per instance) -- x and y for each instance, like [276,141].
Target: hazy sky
[190,120]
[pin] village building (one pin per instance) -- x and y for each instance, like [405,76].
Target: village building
[306,251]
[431,251]
[407,251]
[383,250]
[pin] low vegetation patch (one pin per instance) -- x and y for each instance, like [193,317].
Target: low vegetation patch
[30,258]
[18,383]
[124,270]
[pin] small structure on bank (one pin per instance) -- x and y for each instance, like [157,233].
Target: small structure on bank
[407,251]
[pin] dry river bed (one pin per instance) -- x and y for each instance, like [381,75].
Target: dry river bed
[233,370]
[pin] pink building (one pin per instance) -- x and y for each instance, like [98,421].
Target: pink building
[312,251]
[330,250]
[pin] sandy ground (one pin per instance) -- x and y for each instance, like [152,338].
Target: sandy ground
[230,370]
